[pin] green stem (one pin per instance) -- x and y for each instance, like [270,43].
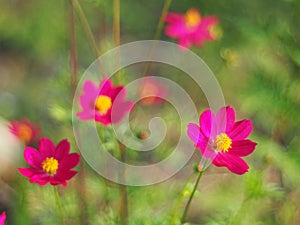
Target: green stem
[58,202]
[162,19]
[179,201]
[191,197]
[81,188]
[116,22]
[158,30]
[123,190]
[73,51]
[116,32]
[86,27]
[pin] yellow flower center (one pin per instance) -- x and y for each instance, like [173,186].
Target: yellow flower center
[50,165]
[192,18]
[222,143]
[103,104]
[24,133]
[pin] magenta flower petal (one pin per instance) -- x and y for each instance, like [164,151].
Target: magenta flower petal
[185,42]
[176,31]
[2,218]
[49,163]
[234,163]
[32,157]
[105,120]
[90,87]
[46,147]
[90,91]
[86,115]
[242,148]
[69,162]
[67,175]
[120,110]
[225,119]
[119,92]
[27,172]
[105,86]
[41,179]
[241,130]
[194,132]
[62,150]
[204,33]
[206,122]
[207,152]
[57,182]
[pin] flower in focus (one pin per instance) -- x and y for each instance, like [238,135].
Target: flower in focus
[152,92]
[192,28]
[2,218]
[97,102]
[223,140]
[24,130]
[50,163]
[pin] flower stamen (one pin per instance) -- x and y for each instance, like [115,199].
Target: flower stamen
[50,165]
[222,143]
[192,18]
[103,104]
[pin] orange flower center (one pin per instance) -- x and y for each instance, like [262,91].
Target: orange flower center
[24,133]
[103,104]
[222,143]
[50,165]
[192,18]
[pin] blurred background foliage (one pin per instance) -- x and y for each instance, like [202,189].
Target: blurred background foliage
[257,62]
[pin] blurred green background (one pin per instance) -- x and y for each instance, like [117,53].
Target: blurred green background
[257,63]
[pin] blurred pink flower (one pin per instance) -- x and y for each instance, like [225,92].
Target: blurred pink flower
[222,140]
[97,102]
[2,218]
[152,92]
[24,130]
[191,28]
[49,163]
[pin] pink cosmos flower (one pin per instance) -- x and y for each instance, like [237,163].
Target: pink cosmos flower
[152,92]
[2,218]
[223,140]
[97,102]
[49,163]
[191,28]
[24,130]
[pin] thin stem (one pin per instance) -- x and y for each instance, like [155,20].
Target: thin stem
[180,199]
[73,50]
[123,190]
[86,27]
[191,197]
[158,31]
[116,32]
[58,202]
[162,19]
[116,22]
[81,189]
